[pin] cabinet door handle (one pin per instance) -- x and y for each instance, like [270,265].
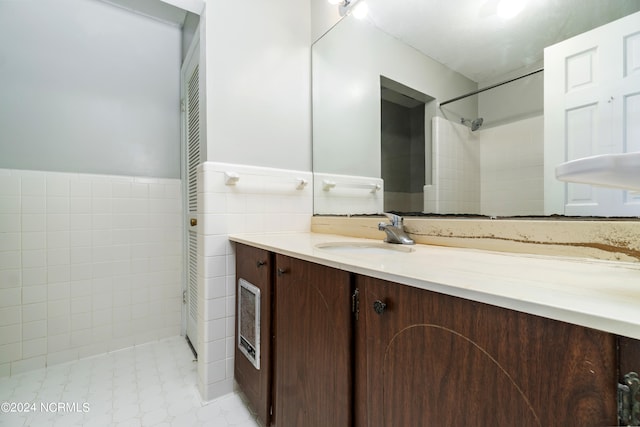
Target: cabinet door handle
[379,307]
[282,271]
[261,263]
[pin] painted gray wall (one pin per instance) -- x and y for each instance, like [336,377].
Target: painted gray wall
[514,101]
[402,141]
[258,83]
[347,64]
[189,29]
[88,87]
[324,15]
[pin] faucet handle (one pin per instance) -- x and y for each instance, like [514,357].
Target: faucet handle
[396,220]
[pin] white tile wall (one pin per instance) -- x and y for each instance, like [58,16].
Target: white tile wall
[456,169]
[263,200]
[88,264]
[512,165]
[351,195]
[495,171]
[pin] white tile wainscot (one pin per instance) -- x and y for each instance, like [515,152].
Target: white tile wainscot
[261,200]
[88,264]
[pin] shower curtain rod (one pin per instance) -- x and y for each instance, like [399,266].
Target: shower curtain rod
[457,98]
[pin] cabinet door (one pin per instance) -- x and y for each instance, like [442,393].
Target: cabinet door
[435,360]
[255,265]
[629,353]
[313,346]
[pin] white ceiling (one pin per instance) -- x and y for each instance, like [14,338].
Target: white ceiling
[465,35]
[468,36]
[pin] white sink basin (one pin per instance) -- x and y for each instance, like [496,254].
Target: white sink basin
[607,170]
[364,248]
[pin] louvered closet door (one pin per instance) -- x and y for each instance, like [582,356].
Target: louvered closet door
[191,103]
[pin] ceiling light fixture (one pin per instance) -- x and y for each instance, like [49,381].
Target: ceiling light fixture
[508,9]
[358,8]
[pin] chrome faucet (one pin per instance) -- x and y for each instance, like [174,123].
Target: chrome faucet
[395,230]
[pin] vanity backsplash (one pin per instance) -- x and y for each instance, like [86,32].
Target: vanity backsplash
[612,240]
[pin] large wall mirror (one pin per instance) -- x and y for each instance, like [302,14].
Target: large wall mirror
[385,137]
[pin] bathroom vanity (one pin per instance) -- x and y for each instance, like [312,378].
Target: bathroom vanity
[353,332]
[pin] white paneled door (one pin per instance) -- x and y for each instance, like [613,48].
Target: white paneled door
[592,106]
[191,135]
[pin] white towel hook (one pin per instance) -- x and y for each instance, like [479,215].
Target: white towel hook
[231,178]
[301,183]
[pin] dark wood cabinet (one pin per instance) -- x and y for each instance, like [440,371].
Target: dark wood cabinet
[256,267]
[340,349]
[628,370]
[629,355]
[313,345]
[432,360]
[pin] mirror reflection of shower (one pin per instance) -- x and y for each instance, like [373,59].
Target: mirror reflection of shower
[473,124]
[405,144]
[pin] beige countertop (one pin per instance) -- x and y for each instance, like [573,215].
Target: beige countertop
[603,295]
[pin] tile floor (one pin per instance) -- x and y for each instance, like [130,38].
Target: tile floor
[149,385]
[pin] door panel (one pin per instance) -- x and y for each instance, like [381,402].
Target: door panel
[631,132]
[629,355]
[582,124]
[436,360]
[590,83]
[313,353]
[191,111]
